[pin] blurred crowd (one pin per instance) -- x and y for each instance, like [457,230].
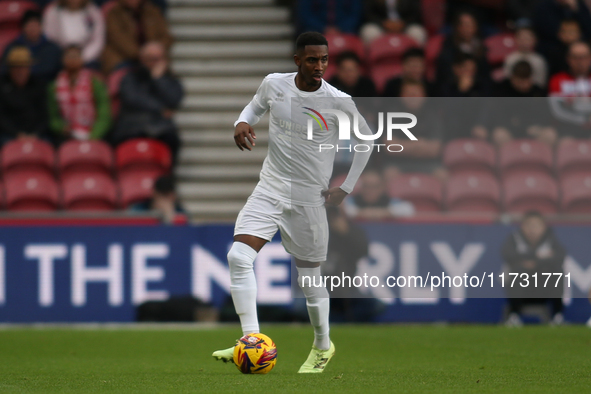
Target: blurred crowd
[87,71]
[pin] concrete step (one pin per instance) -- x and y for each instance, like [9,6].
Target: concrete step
[234,85]
[217,137]
[220,3]
[219,173]
[243,31]
[200,67]
[214,210]
[195,190]
[221,155]
[182,13]
[214,120]
[212,102]
[234,50]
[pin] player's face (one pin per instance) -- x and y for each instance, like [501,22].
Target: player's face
[312,63]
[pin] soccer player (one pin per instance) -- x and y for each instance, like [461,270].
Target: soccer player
[292,190]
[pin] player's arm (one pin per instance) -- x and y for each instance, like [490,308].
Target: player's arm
[251,115]
[336,195]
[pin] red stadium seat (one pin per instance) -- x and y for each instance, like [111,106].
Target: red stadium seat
[499,47]
[136,186]
[108,6]
[89,192]
[424,191]
[576,193]
[380,74]
[28,155]
[85,156]
[6,37]
[473,193]
[573,156]
[11,13]
[432,50]
[31,191]
[524,192]
[339,43]
[525,156]
[433,12]
[143,154]
[389,48]
[469,155]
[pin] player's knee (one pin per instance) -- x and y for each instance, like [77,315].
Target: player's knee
[241,257]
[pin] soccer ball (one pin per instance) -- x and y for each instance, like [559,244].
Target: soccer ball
[255,353]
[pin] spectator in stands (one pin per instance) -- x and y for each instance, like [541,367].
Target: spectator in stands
[22,99]
[556,53]
[373,203]
[422,155]
[349,79]
[327,17]
[46,54]
[76,22]
[520,12]
[531,249]
[526,41]
[572,90]
[78,102]
[400,16]
[548,15]
[149,96]
[131,24]
[466,81]
[464,40]
[521,118]
[164,200]
[414,66]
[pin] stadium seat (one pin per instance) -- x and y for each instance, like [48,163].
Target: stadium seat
[576,193]
[424,191]
[499,47]
[6,37]
[473,193]
[381,73]
[136,186]
[573,156]
[471,155]
[433,13]
[143,154]
[339,43]
[85,156]
[11,13]
[525,156]
[432,50]
[389,48]
[89,192]
[28,155]
[31,191]
[524,192]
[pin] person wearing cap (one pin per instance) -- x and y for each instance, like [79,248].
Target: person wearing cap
[22,98]
[46,54]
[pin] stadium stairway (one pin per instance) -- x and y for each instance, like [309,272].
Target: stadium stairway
[223,50]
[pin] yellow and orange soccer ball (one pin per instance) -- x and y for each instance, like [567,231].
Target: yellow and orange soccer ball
[255,353]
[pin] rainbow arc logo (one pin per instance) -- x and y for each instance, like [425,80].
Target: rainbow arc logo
[315,118]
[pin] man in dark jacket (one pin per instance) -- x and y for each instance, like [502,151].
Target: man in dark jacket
[22,99]
[47,55]
[534,249]
[149,97]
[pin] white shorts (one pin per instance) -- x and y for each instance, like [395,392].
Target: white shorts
[304,230]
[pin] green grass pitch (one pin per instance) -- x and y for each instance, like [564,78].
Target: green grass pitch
[380,358]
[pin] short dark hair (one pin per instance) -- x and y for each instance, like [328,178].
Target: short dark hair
[522,69]
[568,21]
[72,47]
[29,15]
[462,58]
[310,38]
[412,53]
[532,214]
[164,184]
[526,27]
[348,55]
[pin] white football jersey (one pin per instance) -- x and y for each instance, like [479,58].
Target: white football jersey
[295,169]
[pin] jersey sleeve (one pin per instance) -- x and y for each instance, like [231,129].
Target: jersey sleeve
[257,107]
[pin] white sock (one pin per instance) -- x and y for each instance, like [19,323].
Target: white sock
[243,286]
[318,303]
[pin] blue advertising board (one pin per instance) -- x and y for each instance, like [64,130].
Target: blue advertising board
[100,274]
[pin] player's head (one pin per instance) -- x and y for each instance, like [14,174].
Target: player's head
[311,57]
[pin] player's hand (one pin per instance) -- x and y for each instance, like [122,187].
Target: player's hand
[334,196]
[244,132]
